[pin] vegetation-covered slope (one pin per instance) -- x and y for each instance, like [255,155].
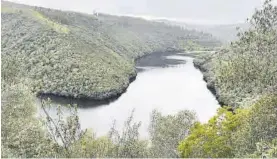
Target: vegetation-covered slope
[80,55]
[243,76]
[248,67]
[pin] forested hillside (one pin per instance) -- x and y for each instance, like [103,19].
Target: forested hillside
[74,54]
[80,55]
[247,68]
[77,55]
[244,77]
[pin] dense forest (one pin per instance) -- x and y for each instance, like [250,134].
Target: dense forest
[244,77]
[78,55]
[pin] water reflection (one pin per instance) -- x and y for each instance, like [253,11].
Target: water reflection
[168,89]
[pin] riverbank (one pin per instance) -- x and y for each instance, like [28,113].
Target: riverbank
[155,59]
[151,60]
[204,64]
[167,89]
[96,62]
[201,64]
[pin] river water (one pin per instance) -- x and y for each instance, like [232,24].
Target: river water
[167,89]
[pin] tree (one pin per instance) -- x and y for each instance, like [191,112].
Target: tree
[63,130]
[213,139]
[127,142]
[260,126]
[22,134]
[167,131]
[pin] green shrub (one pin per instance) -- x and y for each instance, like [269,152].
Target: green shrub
[213,139]
[259,126]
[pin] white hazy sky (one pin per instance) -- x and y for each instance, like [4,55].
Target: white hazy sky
[192,11]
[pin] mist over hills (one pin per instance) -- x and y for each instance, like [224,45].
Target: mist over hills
[224,32]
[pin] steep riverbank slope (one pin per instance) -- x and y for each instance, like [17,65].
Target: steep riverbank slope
[247,69]
[80,55]
[243,76]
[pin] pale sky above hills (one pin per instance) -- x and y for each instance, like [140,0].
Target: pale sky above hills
[191,11]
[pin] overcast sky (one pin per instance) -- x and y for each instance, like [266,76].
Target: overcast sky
[193,11]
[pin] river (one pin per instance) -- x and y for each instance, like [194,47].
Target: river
[168,89]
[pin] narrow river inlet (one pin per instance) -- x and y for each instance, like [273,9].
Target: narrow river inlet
[167,89]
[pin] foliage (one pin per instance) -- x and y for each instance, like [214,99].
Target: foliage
[57,27]
[244,75]
[213,139]
[63,132]
[80,55]
[265,150]
[246,69]
[126,141]
[60,135]
[167,131]
[235,134]
[21,132]
[72,54]
[191,46]
[95,59]
[259,126]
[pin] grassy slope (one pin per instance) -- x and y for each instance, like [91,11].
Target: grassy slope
[81,55]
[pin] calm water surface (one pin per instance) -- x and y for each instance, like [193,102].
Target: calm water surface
[168,90]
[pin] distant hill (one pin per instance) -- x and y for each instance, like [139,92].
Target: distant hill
[81,55]
[226,32]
